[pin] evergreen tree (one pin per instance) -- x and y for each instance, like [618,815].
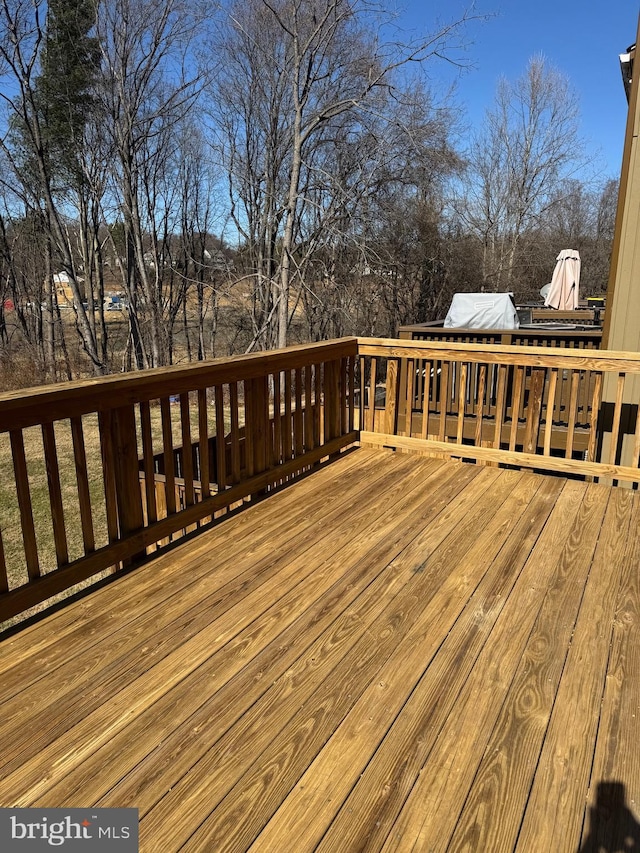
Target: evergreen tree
[70,65]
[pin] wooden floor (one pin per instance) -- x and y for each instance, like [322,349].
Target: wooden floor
[396,653]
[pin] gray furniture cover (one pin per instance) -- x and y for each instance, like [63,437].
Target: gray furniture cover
[482,311]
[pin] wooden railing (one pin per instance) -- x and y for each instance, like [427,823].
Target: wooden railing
[539,337]
[127,486]
[533,407]
[98,474]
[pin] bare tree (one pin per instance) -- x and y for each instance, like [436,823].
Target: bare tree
[41,145]
[294,69]
[529,145]
[150,83]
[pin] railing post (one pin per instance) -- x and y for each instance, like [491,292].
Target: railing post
[125,468]
[391,398]
[332,404]
[534,409]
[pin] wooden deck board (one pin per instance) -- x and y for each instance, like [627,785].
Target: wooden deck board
[616,765]
[395,653]
[139,598]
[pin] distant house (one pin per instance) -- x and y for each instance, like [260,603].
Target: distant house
[216,260]
[62,285]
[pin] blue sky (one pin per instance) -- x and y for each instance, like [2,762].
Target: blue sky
[582,39]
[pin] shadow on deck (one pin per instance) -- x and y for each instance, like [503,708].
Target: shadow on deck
[395,653]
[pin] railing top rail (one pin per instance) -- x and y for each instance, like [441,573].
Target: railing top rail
[27,407]
[607,360]
[437,328]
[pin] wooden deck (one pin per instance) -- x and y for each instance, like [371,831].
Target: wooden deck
[396,653]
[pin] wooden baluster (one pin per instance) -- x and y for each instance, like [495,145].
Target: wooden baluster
[462,399]
[473,378]
[4,578]
[559,407]
[482,379]
[433,392]
[351,393]
[331,400]
[24,504]
[551,401]
[425,372]
[187,450]
[317,406]
[534,409]
[82,480]
[443,400]
[167,444]
[236,464]
[363,391]
[278,456]
[108,474]
[391,398]
[419,389]
[371,409]
[288,416]
[573,412]
[344,398]
[203,443]
[501,399]
[55,494]
[272,449]
[518,383]
[297,417]
[617,413]
[409,395]
[493,371]
[259,397]
[148,463]
[593,423]
[308,409]
[248,426]
[221,454]
[453,393]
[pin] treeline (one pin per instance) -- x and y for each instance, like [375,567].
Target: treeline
[248,173]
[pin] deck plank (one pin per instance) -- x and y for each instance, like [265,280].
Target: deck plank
[377,795]
[615,776]
[553,817]
[353,558]
[74,628]
[240,672]
[504,776]
[394,653]
[378,655]
[125,610]
[192,618]
[432,809]
[383,787]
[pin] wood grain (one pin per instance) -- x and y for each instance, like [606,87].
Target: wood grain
[553,818]
[381,654]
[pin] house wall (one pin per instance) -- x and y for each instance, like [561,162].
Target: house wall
[621,329]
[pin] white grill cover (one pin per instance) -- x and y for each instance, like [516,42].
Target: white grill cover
[482,311]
